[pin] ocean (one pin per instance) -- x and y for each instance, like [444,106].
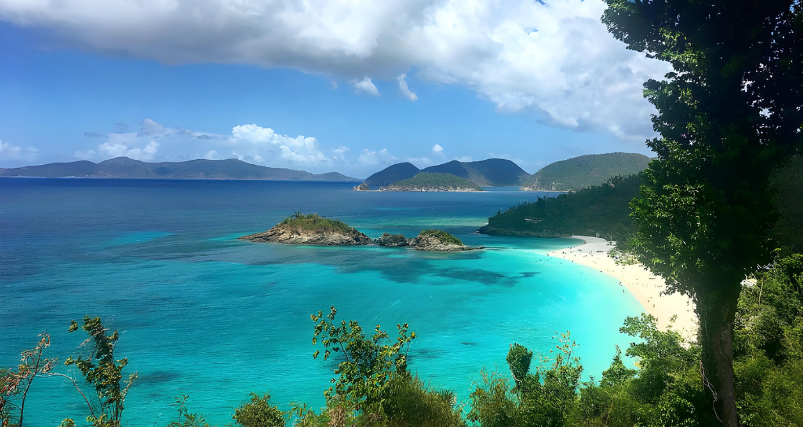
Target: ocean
[211,317]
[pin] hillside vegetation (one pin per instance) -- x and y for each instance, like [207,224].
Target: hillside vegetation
[586,171]
[426,181]
[601,210]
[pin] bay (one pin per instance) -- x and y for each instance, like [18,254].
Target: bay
[205,315]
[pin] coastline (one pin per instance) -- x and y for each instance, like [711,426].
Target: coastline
[644,285]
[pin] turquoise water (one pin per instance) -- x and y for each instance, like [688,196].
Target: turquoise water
[205,315]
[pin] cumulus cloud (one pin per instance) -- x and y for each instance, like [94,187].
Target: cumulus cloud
[552,59]
[404,89]
[210,155]
[372,158]
[144,154]
[14,152]
[437,149]
[365,86]
[300,149]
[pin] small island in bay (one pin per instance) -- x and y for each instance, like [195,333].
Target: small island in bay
[313,229]
[433,181]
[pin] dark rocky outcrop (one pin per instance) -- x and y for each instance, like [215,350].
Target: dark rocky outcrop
[392,240]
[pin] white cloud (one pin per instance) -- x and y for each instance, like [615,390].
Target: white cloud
[8,151]
[144,154]
[372,158]
[437,149]
[13,152]
[298,150]
[404,89]
[365,86]
[553,59]
[211,155]
[463,159]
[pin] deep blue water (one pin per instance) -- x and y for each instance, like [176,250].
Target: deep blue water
[205,315]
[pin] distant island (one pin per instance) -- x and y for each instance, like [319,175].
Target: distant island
[484,173]
[585,171]
[430,181]
[565,175]
[123,167]
[313,229]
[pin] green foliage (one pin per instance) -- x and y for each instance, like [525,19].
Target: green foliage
[544,398]
[586,171]
[185,417]
[664,390]
[599,210]
[258,413]
[315,223]
[768,346]
[787,183]
[442,236]
[369,363]
[103,372]
[14,385]
[434,181]
[729,113]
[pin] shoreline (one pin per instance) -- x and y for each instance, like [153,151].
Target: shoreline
[640,282]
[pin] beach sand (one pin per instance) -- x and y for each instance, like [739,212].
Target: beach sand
[645,286]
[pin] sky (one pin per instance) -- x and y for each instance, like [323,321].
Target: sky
[319,85]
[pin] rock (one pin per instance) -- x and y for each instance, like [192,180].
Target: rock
[392,240]
[362,187]
[439,241]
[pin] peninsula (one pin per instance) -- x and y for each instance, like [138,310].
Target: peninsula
[431,181]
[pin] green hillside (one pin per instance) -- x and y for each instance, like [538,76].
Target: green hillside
[585,171]
[428,181]
[595,210]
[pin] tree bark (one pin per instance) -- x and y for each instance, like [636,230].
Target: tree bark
[716,307]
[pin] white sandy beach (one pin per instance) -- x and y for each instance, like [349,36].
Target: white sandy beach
[645,286]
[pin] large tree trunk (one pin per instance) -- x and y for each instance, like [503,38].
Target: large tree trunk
[716,307]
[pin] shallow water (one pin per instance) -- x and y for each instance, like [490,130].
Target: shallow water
[205,315]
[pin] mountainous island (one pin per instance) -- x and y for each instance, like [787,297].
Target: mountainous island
[484,173]
[124,167]
[585,171]
[431,181]
[313,229]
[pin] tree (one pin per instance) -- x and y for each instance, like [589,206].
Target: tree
[104,373]
[13,384]
[258,412]
[728,114]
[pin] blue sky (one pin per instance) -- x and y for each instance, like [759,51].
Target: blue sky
[325,91]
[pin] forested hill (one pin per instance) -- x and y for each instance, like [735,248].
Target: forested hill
[585,171]
[391,174]
[485,173]
[601,210]
[429,181]
[123,167]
